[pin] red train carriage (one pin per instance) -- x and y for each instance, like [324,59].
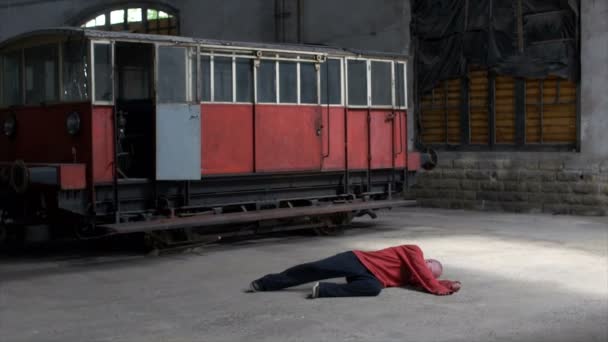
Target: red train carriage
[113,133]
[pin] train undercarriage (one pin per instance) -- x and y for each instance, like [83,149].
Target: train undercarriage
[177,213]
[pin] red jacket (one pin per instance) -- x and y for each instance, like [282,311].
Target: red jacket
[403,265]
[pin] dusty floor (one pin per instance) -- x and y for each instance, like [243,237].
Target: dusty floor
[525,278]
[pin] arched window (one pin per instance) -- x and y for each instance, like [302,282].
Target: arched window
[134,18]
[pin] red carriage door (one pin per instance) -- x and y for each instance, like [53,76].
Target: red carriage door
[288,117]
[386,120]
[178,128]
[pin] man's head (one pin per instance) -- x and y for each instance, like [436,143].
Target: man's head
[435,267]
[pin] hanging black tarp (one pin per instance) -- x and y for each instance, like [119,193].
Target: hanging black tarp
[521,38]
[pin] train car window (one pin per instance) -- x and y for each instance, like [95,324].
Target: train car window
[400,98]
[74,71]
[308,83]
[171,74]
[11,79]
[41,74]
[331,82]
[357,83]
[102,55]
[244,80]
[222,79]
[205,78]
[133,70]
[288,81]
[267,82]
[382,93]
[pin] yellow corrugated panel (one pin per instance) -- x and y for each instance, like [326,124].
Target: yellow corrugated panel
[453,111]
[505,110]
[440,113]
[478,103]
[557,122]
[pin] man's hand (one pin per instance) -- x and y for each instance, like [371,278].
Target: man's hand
[456,286]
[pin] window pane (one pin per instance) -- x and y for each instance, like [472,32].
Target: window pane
[134,15]
[74,72]
[308,83]
[41,74]
[90,23]
[381,84]
[331,73]
[152,14]
[11,79]
[103,72]
[206,78]
[133,66]
[244,80]
[117,17]
[171,74]
[357,83]
[163,15]
[100,20]
[222,74]
[400,85]
[267,82]
[289,82]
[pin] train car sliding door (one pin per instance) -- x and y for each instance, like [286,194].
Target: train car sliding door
[178,128]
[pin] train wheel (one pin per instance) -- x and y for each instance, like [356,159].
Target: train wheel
[335,225]
[329,231]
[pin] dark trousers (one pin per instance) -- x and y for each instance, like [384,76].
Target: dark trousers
[360,282]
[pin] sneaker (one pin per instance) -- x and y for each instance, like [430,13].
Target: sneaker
[254,286]
[315,291]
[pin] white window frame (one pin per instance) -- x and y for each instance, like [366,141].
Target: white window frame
[369,87]
[192,87]
[297,63]
[370,83]
[156,65]
[234,78]
[318,81]
[94,71]
[405,89]
[277,93]
[277,59]
[212,77]
[342,82]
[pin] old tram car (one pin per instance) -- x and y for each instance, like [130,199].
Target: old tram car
[113,133]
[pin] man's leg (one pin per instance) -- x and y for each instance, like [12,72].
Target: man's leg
[337,266]
[365,285]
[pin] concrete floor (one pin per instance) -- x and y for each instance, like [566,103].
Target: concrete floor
[525,278]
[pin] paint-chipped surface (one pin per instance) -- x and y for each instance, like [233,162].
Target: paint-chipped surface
[525,278]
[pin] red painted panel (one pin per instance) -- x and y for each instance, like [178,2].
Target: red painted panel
[286,138]
[103,144]
[333,139]
[357,139]
[382,140]
[400,140]
[72,176]
[42,136]
[227,138]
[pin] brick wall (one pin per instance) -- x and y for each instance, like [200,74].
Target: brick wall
[549,186]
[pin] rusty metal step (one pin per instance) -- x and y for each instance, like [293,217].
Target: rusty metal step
[250,216]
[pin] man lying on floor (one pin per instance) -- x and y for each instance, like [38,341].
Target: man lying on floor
[367,273]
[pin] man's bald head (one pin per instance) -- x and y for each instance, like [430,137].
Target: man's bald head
[435,266]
